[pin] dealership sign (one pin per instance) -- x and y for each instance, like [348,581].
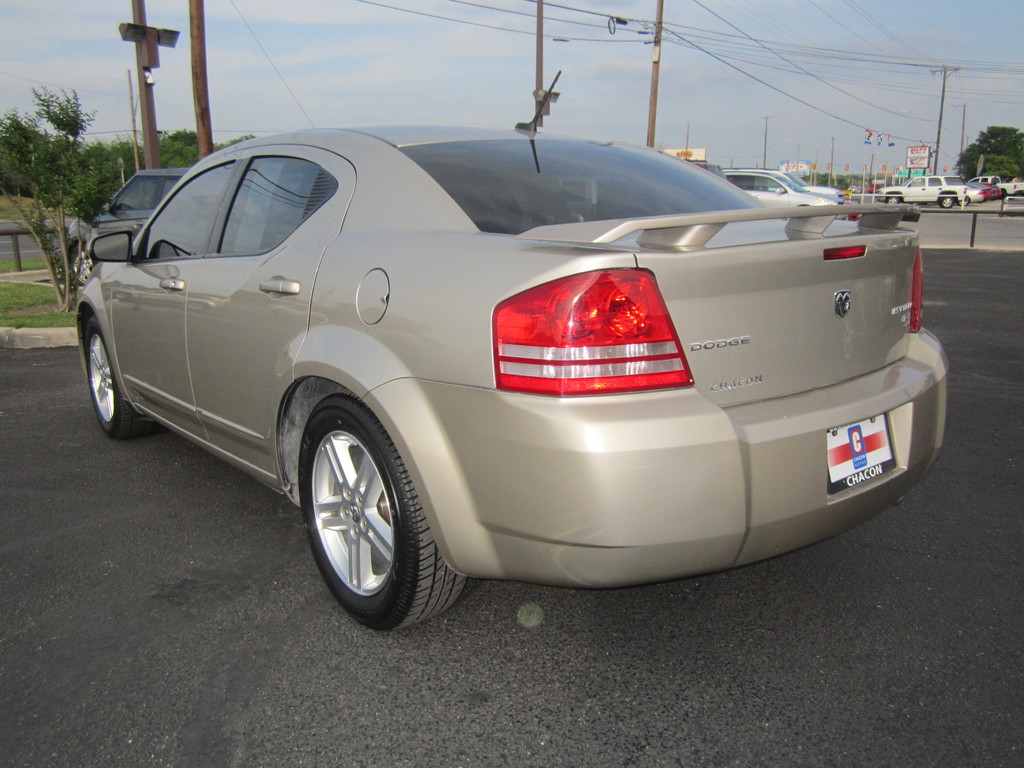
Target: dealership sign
[917,157]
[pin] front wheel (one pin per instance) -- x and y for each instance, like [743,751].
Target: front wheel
[116,415]
[947,201]
[893,199]
[369,536]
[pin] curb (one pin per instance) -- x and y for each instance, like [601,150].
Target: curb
[35,338]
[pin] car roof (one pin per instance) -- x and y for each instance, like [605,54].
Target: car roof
[405,135]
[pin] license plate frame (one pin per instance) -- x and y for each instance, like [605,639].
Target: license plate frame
[858,453]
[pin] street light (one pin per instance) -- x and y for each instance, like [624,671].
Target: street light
[147,41]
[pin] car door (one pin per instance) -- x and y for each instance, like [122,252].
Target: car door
[148,299]
[248,303]
[916,191]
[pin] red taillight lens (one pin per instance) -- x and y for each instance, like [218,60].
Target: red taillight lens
[916,294]
[847,252]
[595,333]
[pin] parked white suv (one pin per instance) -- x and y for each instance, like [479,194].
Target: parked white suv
[947,191]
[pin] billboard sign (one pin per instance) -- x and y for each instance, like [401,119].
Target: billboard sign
[699,153]
[917,157]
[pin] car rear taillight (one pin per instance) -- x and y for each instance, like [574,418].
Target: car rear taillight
[916,294]
[594,333]
[846,252]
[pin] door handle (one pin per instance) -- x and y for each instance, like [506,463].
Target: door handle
[172,284]
[281,286]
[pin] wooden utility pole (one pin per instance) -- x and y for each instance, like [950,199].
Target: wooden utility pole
[538,91]
[135,128]
[200,88]
[652,113]
[146,57]
[946,71]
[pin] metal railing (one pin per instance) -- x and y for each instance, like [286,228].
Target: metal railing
[1010,206]
[14,234]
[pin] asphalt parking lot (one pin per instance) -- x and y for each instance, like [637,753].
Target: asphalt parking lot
[162,609]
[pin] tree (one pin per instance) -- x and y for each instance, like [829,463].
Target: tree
[179,149]
[50,177]
[999,151]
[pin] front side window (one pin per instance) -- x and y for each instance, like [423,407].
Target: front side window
[512,185]
[764,184]
[183,226]
[275,197]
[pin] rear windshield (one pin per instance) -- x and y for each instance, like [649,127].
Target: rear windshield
[504,187]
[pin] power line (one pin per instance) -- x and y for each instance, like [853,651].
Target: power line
[273,65]
[496,27]
[801,69]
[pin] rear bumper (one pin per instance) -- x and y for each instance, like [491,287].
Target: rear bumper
[618,490]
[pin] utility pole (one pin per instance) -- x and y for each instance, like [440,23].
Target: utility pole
[147,57]
[963,126]
[145,50]
[538,90]
[832,161]
[764,156]
[135,129]
[946,72]
[652,113]
[200,87]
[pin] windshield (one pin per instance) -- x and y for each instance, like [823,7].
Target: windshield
[504,187]
[798,184]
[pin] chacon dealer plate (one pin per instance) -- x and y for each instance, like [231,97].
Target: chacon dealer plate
[858,453]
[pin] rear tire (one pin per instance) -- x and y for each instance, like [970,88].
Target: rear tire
[366,527]
[947,201]
[115,414]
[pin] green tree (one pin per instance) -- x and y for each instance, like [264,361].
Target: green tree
[999,151]
[179,149]
[43,158]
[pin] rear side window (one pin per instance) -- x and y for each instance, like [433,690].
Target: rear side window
[510,186]
[275,197]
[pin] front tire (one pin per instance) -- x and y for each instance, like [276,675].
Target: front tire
[115,414]
[369,536]
[893,199]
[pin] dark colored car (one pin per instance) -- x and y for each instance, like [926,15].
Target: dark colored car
[137,199]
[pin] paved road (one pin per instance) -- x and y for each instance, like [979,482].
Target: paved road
[161,609]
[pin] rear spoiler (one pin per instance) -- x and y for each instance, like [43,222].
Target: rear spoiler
[693,230]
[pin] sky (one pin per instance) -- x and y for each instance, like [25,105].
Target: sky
[749,81]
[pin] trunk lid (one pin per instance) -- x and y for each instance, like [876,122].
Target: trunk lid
[761,312]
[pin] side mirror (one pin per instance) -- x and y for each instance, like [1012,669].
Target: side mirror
[111,246]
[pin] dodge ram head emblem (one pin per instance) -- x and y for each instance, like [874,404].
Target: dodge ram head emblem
[843,300]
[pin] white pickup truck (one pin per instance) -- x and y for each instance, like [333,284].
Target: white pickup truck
[1015,187]
[947,191]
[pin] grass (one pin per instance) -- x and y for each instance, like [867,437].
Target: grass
[7,211]
[31,305]
[26,264]
[28,305]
